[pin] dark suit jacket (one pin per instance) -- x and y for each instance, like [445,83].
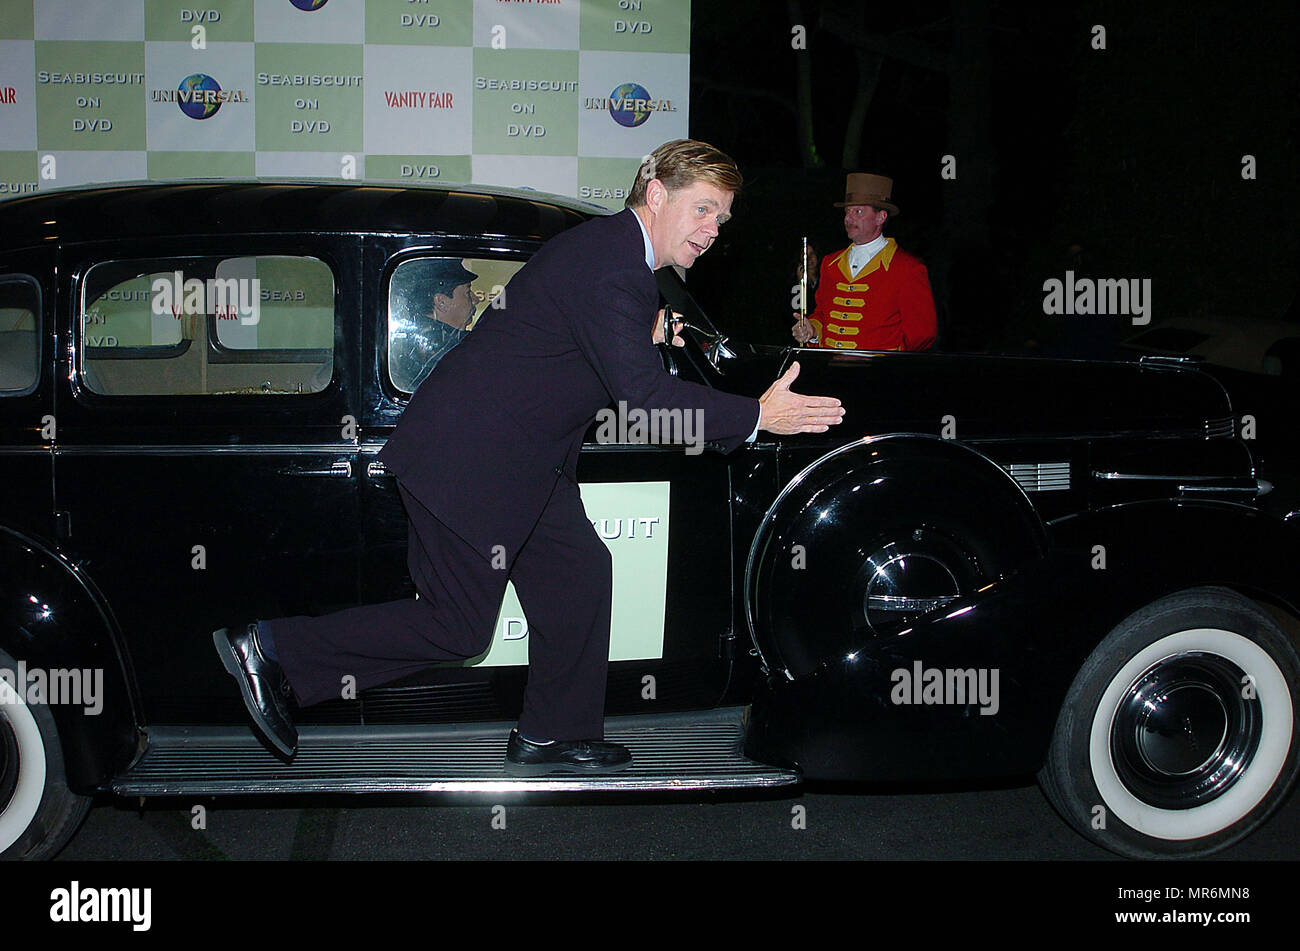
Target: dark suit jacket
[484,438]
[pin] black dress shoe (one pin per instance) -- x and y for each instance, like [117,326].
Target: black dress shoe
[262,683]
[525,758]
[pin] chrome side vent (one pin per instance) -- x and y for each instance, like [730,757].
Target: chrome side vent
[1041,476]
[1225,427]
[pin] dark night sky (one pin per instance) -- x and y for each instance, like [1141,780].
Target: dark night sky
[1133,152]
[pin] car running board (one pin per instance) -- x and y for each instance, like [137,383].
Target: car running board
[669,752]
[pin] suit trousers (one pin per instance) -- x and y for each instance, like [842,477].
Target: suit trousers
[563,576]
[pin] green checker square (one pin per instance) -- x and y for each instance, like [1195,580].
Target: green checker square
[18,173]
[660,26]
[606,181]
[510,118]
[435,23]
[80,114]
[293,104]
[165,166]
[17,20]
[419,169]
[289,321]
[175,20]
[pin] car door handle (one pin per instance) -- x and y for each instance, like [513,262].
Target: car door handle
[342,469]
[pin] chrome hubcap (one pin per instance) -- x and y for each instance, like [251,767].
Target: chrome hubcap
[1185,731]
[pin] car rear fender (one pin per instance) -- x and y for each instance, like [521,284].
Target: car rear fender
[877,532]
[54,623]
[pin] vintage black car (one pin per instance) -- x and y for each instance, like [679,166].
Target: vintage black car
[996,567]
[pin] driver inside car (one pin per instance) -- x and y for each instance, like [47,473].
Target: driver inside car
[432,302]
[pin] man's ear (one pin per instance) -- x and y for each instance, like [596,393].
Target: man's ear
[445,298]
[656,194]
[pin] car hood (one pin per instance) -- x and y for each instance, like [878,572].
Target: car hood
[995,396]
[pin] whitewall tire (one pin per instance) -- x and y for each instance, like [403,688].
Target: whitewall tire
[1178,736]
[38,812]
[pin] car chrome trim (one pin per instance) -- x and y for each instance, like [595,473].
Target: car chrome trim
[1148,477]
[336,469]
[1040,476]
[894,602]
[681,751]
[63,449]
[1224,427]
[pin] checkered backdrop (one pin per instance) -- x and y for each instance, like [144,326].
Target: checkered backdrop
[559,95]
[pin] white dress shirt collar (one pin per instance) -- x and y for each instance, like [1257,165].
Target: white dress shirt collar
[649,249]
[860,255]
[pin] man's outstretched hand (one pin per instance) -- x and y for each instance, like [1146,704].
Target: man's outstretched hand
[783,412]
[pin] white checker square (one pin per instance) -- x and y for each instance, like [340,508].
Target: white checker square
[82,20]
[526,25]
[546,173]
[665,77]
[17,95]
[419,100]
[230,129]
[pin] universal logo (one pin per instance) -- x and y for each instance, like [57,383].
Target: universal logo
[630,105]
[199,96]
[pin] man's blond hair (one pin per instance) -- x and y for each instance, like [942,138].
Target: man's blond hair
[680,164]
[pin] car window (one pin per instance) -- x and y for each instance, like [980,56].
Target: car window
[20,349]
[434,302]
[208,326]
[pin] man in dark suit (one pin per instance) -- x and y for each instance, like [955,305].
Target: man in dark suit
[486,460]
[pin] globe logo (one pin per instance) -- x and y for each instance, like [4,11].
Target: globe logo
[309,5]
[195,104]
[624,111]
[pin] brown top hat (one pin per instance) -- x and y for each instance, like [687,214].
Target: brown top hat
[863,188]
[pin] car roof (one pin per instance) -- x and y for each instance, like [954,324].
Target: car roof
[150,209]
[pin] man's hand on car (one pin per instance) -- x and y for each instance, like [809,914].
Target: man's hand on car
[784,412]
[658,335]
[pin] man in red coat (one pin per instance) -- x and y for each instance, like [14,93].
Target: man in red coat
[872,295]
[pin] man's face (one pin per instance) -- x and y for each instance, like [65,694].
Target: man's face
[455,310]
[862,223]
[685,222]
